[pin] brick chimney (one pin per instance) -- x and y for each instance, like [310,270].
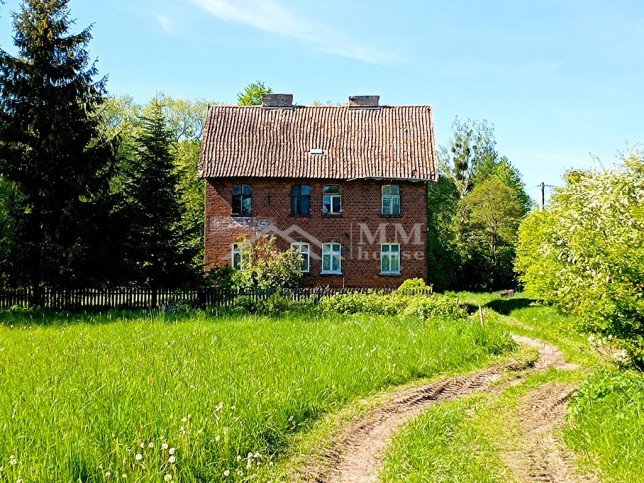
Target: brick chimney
[361,102]
[277,100]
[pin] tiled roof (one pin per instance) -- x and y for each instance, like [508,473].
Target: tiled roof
[386,142]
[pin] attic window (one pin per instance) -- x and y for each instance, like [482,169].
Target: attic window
[317,152]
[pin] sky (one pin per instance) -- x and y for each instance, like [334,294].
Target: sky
[558,79]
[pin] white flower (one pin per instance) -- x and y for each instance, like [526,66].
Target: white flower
[19,480]
[238,457]
[250,455]
[107,474]
[138,457]
[257,455]
[172,450]
[217,438]
[227,473]
[123,476]
[151,445]
[12,460]
[183,420]
[164,446]
[240,472]
[172,459]
[167,478]
[233,408]
[142,445]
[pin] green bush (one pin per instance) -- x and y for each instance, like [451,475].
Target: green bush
[277,303]
[423,306]
[413,284]
[586,254]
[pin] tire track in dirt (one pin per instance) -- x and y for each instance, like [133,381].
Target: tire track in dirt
[357,455]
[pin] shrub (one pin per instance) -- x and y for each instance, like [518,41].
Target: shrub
[277,303]
[586,254]
[423,306]
[413,284]
[264,266]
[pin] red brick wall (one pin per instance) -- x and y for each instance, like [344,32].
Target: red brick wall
[360,221]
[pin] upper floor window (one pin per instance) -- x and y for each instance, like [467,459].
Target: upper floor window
[304,249]
[390,258]
[331,258]
[301,199]
[242,200]
[390,199]
[332,200]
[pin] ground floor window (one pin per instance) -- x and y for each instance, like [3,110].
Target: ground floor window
[390,258]
[305,250]
[331,258]
[236,256]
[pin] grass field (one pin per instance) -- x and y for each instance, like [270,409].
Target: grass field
[195,396]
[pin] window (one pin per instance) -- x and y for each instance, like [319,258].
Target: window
[242,196]
[390,258]
[236,256]
[301,200]
[331,258]
[305,250]
[390,199]
[332,200]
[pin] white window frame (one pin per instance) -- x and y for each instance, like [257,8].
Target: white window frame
[388,257]
[331,197]
[329,250]
[389,198]
[306,254]
[236,250]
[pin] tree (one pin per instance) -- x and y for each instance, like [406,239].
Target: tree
[585,254]
[491,214]
[185,121]
[155,247]
[462,245]
[52,151]
[252,95]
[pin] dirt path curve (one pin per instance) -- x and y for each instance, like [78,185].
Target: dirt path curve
[357,456]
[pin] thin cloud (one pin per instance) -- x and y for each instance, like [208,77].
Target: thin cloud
[270,16]
[165,22]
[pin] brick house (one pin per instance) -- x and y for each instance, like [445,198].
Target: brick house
[345,185]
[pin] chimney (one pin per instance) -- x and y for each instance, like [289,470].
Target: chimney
[277,100]
[361,102]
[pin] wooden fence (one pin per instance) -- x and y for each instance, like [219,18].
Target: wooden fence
[136,298]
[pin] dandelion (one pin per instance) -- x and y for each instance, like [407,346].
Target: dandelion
[172,459]
[172,450]
[227,473]
[167,478]
[164,446]
[138,457]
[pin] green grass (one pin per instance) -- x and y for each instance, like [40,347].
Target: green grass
[607,425]
[81,396]
[442,445]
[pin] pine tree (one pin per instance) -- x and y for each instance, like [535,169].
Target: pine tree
[155,248]
[51,150]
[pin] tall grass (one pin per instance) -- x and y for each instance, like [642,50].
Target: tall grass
[198,397]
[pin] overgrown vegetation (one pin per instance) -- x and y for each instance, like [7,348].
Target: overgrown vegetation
[585,254]
[198,397]
[474,213]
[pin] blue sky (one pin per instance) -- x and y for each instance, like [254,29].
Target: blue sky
[559,79]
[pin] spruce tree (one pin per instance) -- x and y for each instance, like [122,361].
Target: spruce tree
[155,249]
[51,150]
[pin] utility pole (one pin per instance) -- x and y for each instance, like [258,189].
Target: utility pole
[543,196]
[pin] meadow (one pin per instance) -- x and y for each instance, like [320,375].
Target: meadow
[199,396]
